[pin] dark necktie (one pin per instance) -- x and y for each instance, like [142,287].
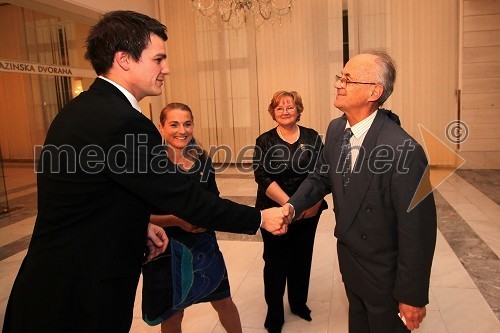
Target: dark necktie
[345,157]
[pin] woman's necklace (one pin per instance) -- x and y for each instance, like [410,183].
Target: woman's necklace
[289,141]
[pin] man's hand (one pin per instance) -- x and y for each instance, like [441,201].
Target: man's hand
[157,241]
[412,315]
[288,212]
[274,221]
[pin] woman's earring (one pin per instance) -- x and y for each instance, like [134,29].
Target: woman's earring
[163,142]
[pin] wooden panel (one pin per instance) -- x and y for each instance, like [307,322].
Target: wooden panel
[482,85]
[482,22]
[481,7]
[481,70]
[480,116]
[484,131]
[16,109]
[481,80]
[76,45]
[15,129]
[480,101]
[481,38]
[481,145]
[481,54]
[12,37]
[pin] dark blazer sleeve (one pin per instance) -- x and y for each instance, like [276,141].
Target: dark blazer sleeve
[416,228]
[317,184]
[173,193]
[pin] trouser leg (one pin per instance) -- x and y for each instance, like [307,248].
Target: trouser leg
[275,263]
[299,272]
[370,318]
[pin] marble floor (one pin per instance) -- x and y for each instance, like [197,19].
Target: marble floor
[465,280]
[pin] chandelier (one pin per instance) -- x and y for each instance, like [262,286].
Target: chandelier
[237,13]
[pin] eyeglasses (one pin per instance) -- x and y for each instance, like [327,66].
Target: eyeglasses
[288,109]
[344,82]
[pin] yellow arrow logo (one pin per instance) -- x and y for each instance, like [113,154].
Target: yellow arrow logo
[434,147]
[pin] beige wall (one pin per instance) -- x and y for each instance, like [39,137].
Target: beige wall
[481,83]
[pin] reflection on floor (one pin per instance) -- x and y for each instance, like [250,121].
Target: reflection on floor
[465,281]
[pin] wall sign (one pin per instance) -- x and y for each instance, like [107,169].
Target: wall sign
[43,69]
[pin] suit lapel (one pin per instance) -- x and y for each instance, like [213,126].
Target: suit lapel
[359,181]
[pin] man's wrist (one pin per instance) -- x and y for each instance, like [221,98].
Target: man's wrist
[293,209]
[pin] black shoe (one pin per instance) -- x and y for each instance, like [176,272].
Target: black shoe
[303,313]
[274,320]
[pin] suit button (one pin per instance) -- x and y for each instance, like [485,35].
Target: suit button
[363,236]
[368,210]
[356,255]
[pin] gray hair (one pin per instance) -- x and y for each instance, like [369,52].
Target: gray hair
[386,75]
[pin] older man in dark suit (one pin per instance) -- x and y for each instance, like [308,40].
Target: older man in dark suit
[102,172]
[373,168]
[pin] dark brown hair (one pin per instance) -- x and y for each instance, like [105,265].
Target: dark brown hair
[120,30]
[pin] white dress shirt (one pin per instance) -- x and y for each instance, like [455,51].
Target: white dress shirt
[359,132]
[127,94]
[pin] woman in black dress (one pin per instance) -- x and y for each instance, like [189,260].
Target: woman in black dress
[192,269]
[283,158]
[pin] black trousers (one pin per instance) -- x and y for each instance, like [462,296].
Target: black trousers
[288,262]
[369,318]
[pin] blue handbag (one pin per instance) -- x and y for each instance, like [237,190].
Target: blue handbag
[191,270]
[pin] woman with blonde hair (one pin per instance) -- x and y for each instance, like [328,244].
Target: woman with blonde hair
[192,269]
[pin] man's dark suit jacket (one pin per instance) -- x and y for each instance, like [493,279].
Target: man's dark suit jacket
[385,251]
[84,260]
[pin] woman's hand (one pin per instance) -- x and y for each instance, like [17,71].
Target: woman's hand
[186,226]
[174,221]
[157,241]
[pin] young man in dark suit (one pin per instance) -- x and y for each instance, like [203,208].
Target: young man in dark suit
[102,172]
[373,168]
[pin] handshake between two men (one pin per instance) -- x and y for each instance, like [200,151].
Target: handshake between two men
[276,219]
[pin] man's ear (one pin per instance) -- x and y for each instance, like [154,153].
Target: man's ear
[376,93]
[123,60]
